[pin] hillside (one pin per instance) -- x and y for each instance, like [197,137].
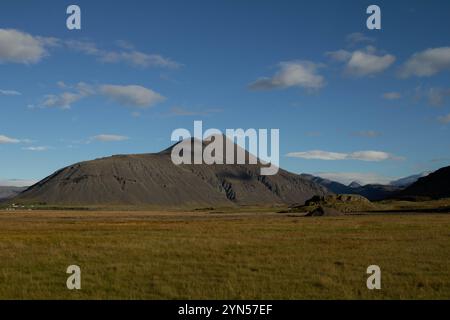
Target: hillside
[436,185]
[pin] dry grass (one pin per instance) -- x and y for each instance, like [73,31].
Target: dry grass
[173,255]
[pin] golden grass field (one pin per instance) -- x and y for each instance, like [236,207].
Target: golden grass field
[201,255]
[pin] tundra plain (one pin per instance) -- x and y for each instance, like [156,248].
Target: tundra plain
[212,254]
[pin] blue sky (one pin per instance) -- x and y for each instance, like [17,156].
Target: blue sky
[140,69]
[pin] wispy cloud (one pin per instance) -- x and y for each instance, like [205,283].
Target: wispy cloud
[180,111]
[426,63]
[63,100]
[66,99]
[358,37]
[363,62]
[37,149]
[392,95]
[128,55]
[127,95]
[444,119]
[301,74]
[333,156]
[132,95]
[9,93]
[362,177]
[21,47]
[8,140]
[109,138]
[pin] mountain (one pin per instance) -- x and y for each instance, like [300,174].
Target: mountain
[153,179]
[10,192]
[373,192]
[376,192]
[407,181]
[435,185]
[332,186]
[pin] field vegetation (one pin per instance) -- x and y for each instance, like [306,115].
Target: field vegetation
[213,254]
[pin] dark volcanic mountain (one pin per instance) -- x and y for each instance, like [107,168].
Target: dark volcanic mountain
[152,179]
[436,185]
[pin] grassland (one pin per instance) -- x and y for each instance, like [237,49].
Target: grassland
[199,255]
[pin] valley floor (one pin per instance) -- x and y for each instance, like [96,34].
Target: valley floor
[199,255]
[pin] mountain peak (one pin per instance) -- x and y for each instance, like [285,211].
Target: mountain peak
[355,184]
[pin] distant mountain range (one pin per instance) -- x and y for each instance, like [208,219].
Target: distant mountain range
[10,192]
[373,192]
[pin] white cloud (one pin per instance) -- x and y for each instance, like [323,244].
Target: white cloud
[302,74]
[17,182]
[348,177]
[139,59]
[392,95]
[38,149]
[370,156]
[357,155]
[66,99]
[8,140]
[180,111]
[318,155]
[427,63]
[444,119]
[21,47]
[124,44]
[129,55]
[363,62]
[63,101]
[109,138]
[129,95]
[358,37]
[9,93]
[85,47]
[340,55]
[132,95]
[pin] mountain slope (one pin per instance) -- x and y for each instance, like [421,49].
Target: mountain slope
[332,186]
[436,185]
[152,179]
[376,192]
[407,181]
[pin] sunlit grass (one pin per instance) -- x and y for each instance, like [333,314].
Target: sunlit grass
[167,255]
